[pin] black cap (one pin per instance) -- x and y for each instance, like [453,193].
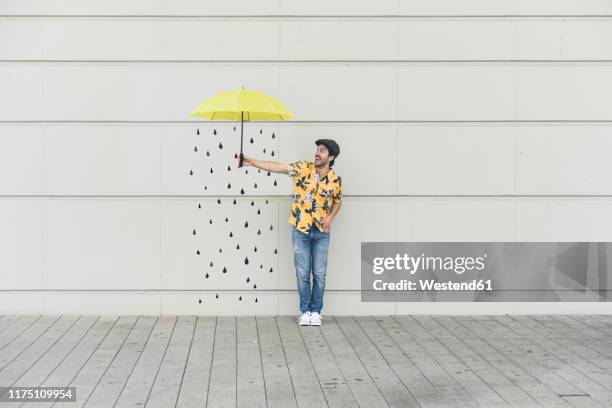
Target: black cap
[331,145]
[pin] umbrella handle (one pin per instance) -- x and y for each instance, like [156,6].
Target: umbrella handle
[241,160]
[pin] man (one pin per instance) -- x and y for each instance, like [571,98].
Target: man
[317,197]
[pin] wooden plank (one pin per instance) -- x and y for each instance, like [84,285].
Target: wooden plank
[420,344]
[279,385]
[562,360]
[447,390]
[308,386]
[250,379]
[138,386]
[32,370]
[69,368]
[357,377]
[584,359]
[557,375]
[498,382]
[222,389]
[165,390]
[558,330]
[509,368]
[109,386]
[194,387]
[394,387]
[96,366]
[15,330]
[8,321]
[23,361]
[25,339]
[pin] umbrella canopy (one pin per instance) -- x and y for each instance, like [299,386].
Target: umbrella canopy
[244,105]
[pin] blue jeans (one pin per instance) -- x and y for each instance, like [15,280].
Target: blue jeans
[310,253]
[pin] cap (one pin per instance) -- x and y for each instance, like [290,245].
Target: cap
[331,145]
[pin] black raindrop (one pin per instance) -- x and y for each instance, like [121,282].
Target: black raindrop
[207,275]
[260,131]
[246,260]
[258,211]
[231,234]
[229,168]
[226,220]
[195,148]
[271,270]
[220,145]
[191,172]
[255,250]
[251,140]
[229,185]
[246,224]
[208,153]
[214,131]
[274,182]
[218,201]
[217,296]
[211,264]
[194,232]
[240,298]
[224,269]
[198,252]
[255,185]
[211,170]
[272,152]
[248,279]
[242,191]
[234,201]
[273,136]
[255,300]
[199,300]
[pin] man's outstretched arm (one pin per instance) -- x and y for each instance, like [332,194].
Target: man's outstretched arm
[267,165]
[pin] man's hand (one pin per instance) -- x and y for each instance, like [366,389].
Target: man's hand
[246,161]
[327,223]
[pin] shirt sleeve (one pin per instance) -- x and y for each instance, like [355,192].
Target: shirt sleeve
[295,168]
[338,194]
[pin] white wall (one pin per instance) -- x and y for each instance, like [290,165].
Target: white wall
[467,121]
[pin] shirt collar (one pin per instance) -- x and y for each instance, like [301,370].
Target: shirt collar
[331,175]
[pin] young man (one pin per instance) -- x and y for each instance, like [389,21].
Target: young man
[317,197]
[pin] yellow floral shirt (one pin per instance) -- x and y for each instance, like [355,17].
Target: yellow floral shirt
[312,198]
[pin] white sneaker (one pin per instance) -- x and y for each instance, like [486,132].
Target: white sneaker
[305,319]
[315,319]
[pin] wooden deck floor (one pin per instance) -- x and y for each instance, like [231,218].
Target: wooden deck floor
[349,361]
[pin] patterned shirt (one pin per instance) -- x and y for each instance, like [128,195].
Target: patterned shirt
[312,198]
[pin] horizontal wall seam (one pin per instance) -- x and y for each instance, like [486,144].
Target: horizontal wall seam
[288,196]
[308,16]
[314,121]
[278,290]
[556,61]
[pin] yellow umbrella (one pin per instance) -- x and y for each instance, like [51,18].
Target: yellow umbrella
[242,104]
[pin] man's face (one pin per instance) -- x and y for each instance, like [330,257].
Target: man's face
[322,156]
